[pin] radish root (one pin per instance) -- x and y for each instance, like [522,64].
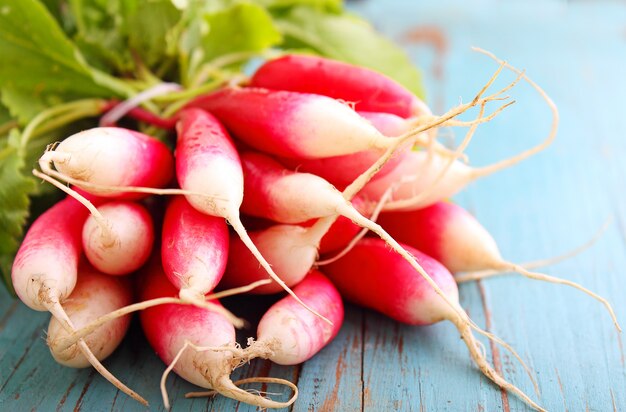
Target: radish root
[223,385]
[55,308]
[480,360]
[245,238]
[69,340]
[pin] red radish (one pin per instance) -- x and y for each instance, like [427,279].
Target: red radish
[372,276]
[297,125]
[293,197]
[194,249]
[343,170]
[133,236]
[450,234]
[293,333]
[207,162]
[365,88]
[171,329]
[95,294]
[45,270]
[110,157]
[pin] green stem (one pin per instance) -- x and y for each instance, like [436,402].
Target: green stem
[182,98]
[72,111]
[4,128]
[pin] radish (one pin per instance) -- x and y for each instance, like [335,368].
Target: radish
[95,294]
[133,236]
[365,88]
[372,276]
[294,334]
[111,157]
[450,234]
[194,249]
[296,125]
[207,162]
[45,269]
[342,170]
[171,329]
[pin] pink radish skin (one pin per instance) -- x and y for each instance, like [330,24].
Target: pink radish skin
[207,162]
[45,268]
[365,88]
[290,249]
[298,333]
[448,233]
[169,327]
[113,156]
[371,275]
[343,170]
[296,125]
[44,271]
[95,294]
[134,236]
[194,249]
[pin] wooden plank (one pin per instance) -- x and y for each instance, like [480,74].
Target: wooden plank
[332,380]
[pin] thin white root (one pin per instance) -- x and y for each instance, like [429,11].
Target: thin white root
[365,177]
[261,379]
[535,264]
[379,207]
[245,238]
[109,237]
[67,341]
[490,169]
[485,368]
[547,278]
[509,348]
[224,385]
[58,312]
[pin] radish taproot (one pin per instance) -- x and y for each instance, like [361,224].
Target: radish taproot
[371,275]
[450,234]
[176,331]
[44,272]
[128,243]
[367,89]
[95,294]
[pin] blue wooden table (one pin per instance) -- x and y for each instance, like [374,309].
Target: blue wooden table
[542,207]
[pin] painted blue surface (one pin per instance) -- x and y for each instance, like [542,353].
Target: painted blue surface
[540,208]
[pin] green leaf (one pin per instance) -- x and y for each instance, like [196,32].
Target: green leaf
[101,33]
[38,60]
[328,5]
[243,27]
[15,189]
[148,27]
[349,39]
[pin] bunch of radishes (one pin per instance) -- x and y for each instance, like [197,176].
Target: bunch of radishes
[281,149]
